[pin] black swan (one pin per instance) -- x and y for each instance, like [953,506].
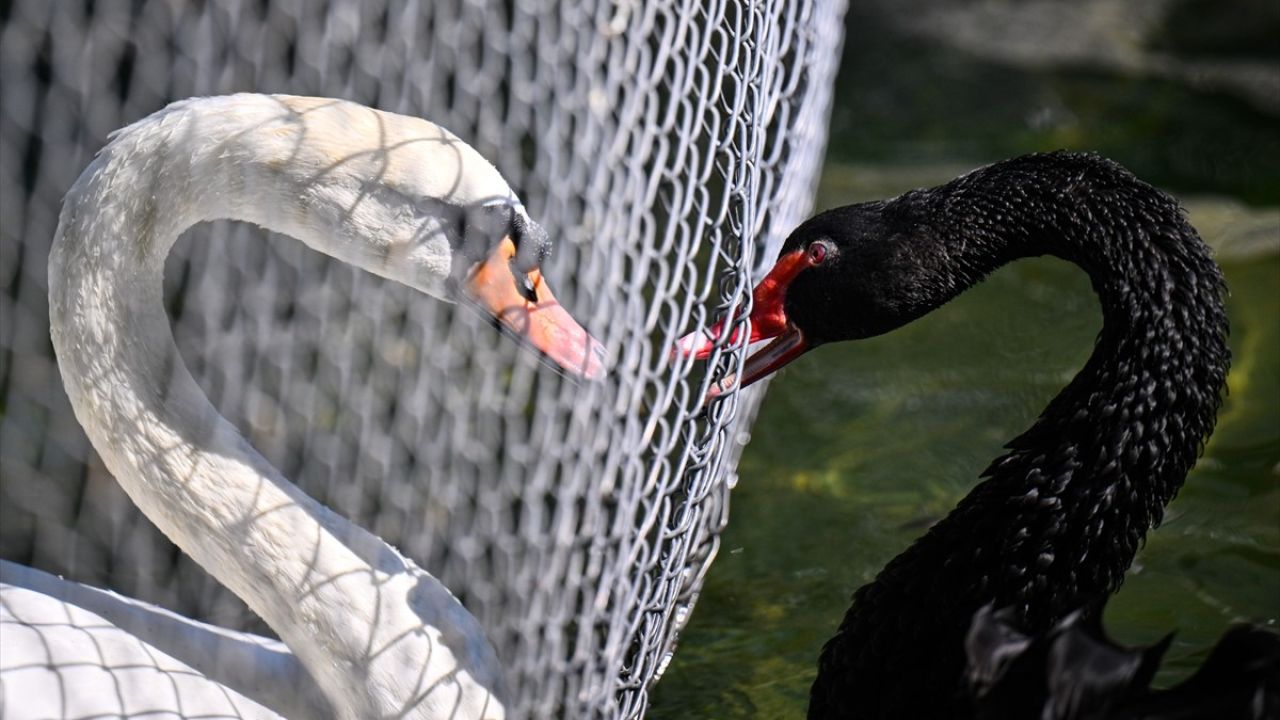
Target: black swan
[1058,518]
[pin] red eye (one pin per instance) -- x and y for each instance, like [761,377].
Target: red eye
[817,253]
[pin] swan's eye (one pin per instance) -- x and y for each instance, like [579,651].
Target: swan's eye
[817,253]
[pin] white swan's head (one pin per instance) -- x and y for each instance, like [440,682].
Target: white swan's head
[496,269]
[396,195]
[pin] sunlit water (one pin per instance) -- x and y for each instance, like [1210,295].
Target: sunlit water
[861,446]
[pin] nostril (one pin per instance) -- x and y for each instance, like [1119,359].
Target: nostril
[524,285]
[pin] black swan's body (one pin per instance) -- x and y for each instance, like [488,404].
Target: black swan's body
[1058,518]
[1074,671]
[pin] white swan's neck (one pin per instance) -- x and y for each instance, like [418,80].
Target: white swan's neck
[382,637]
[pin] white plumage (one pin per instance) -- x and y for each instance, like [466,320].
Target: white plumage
[71,651]
[377,635]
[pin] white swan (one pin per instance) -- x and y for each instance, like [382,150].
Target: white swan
[380,637]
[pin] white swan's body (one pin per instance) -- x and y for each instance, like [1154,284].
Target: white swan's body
[397,196]
[71,651]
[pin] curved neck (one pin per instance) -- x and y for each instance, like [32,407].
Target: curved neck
[1058,519]
[381,636]
[1119,440]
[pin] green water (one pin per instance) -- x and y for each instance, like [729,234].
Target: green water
[859,447]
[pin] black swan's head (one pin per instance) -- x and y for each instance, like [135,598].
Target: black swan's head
[863,270]
[847,274]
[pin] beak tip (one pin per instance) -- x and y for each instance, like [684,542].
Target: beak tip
[574,351]
[697,344]
[720,388]
[596,364]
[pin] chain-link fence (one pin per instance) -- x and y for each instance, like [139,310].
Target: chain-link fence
[666,146]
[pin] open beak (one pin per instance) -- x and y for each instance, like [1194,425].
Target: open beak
[768,322]
[533,316]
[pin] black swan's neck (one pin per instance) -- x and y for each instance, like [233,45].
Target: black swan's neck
[1057,519]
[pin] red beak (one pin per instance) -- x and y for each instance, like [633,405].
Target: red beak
[542,323]
[768,321]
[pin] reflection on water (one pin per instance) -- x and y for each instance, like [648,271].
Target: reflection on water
[860,446]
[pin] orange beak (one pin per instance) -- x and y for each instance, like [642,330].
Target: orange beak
[541,322]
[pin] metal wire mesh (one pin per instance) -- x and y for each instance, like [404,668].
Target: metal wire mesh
[666,146]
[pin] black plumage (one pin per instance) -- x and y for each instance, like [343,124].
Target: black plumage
[1056,520]
[1075,671]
